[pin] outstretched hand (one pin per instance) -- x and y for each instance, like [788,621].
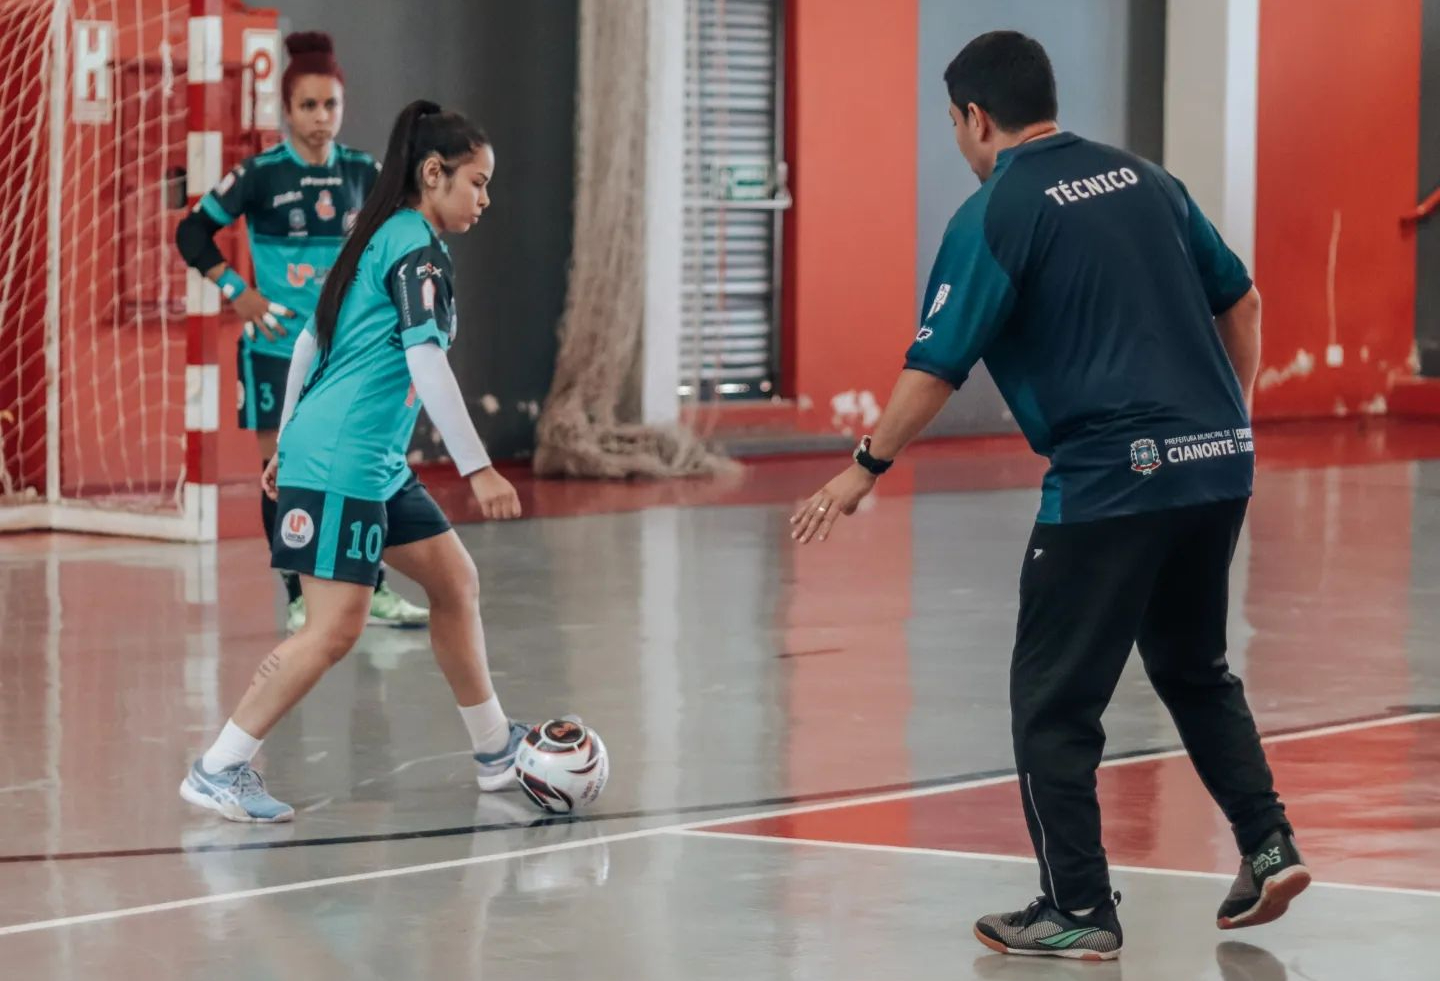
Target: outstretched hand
[816,517]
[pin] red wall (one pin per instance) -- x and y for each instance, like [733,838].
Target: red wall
[850,244]
[1338,132]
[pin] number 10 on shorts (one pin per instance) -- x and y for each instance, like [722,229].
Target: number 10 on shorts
[374,541]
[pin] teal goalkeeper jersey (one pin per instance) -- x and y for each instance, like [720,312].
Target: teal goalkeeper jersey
[297,216]
[357,409]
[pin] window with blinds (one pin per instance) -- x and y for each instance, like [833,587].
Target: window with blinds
[735,199]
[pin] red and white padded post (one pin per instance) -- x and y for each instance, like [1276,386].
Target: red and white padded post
[205,75]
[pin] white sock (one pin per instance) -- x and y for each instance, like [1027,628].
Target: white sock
[234,745]
[1081,912]
[487,724]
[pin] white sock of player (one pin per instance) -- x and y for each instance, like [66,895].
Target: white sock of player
[488,725]
[234,745]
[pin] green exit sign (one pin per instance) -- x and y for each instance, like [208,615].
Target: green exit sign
[742,181]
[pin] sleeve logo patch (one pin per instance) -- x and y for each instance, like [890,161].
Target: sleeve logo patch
[427,293]
[941,295]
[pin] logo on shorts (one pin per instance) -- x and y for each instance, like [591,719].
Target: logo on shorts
[297,528]
[1144,456]
[325,206]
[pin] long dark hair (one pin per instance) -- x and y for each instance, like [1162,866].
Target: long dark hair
[421,130]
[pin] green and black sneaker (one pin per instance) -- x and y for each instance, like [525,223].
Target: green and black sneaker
[1270,877]
[1044,931]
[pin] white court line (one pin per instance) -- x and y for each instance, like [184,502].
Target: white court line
[336,880]
[178,904]
[945,788]
[856,846]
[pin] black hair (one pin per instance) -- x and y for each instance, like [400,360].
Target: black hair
[1008,75]
[422,130]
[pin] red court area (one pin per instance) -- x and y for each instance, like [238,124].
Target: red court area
[935,466]
[1365,803]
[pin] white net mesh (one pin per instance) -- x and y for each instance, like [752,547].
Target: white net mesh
[584,430]
[87,260]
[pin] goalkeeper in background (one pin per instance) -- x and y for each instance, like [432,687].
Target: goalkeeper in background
[299,200]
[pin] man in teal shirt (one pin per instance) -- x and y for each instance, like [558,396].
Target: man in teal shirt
[1124,337]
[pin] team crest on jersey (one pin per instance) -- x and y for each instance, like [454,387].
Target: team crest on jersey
[297,219]
[1144,456]
[297,528]
[325,206]
[348,221]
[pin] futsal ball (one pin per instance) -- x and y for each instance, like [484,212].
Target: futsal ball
[562,766]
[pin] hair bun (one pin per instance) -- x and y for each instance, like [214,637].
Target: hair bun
[309,42]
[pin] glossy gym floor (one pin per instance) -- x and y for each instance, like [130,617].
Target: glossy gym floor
[811,771]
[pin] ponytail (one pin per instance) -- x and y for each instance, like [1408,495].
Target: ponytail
[422,130]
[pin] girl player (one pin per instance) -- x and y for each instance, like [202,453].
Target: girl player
[299,200]
[373,353]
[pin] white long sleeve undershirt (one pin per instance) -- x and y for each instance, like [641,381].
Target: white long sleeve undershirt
[436,387]
[438,390]
[305,350]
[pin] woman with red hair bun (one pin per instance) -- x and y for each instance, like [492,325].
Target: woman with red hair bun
[299,200]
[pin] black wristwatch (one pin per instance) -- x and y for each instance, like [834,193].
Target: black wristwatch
[870,463]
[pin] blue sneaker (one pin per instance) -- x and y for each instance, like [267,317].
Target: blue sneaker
[237,793]
[496,771]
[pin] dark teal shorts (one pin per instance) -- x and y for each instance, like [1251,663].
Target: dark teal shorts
[261,388]
[331,536]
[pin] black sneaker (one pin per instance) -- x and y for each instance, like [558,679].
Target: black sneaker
[1044,931]
[1270,877]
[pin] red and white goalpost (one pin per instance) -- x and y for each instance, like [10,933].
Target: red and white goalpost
[115,116]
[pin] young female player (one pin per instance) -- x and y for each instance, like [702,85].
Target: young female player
[375,350]
[299,199]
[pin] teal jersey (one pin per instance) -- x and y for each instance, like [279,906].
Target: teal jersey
[296,216]
[1089,282]
[357,409]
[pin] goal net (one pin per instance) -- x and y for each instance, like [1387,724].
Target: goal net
[95,396]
